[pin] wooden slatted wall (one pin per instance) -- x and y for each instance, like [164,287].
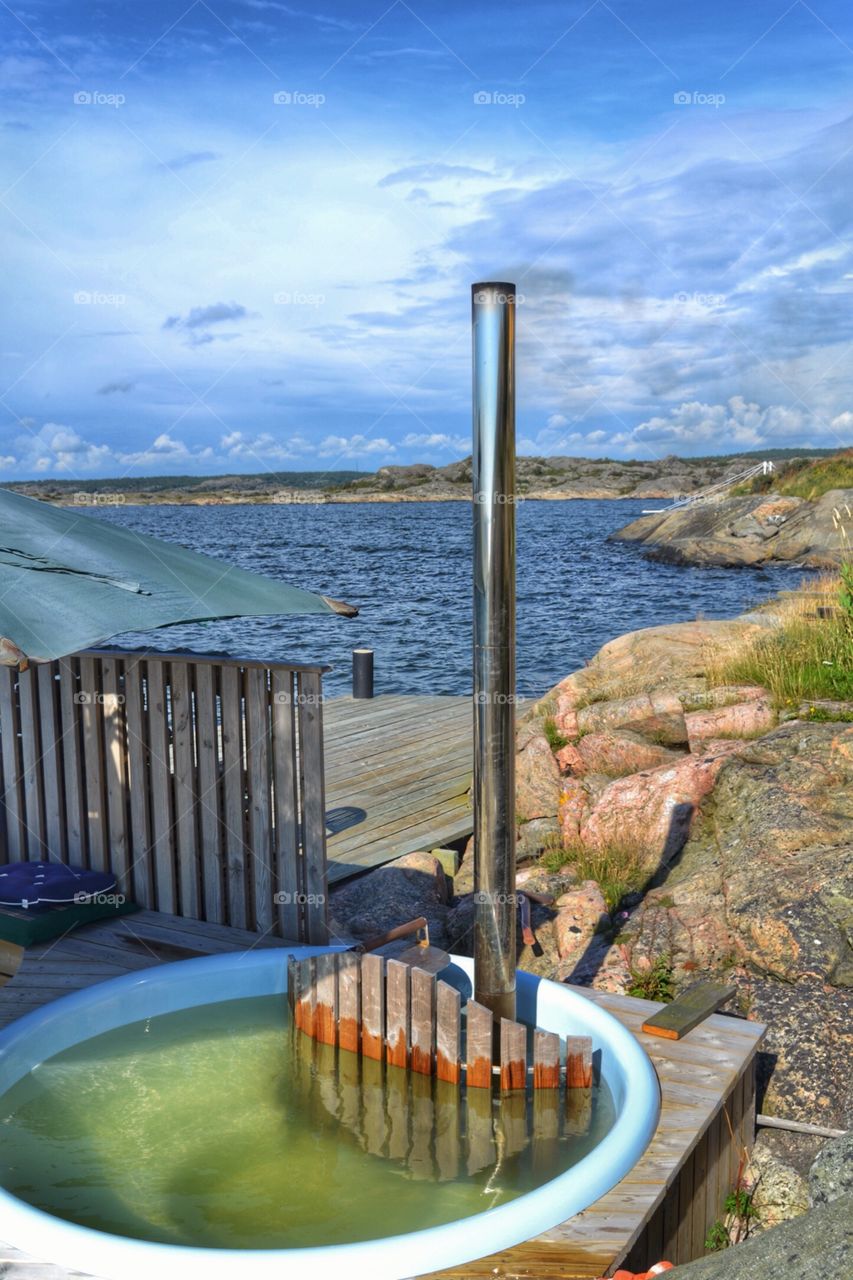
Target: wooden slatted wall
[198,782]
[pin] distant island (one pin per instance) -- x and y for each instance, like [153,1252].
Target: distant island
[557,478]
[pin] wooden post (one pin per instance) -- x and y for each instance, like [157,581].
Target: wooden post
[397,1014]
[578,1062]
[373,1007]
[448,1023]
[546,1060]
[479,1032]
[349,1001]
[423,1022]
[513,1056]
[326,999]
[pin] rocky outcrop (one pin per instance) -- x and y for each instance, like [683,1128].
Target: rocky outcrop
[831,1175]
[745,531]
[411,886]
[814,1246]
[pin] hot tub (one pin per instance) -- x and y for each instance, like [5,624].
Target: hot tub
[167,989]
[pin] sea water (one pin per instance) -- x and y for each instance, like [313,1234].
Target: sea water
[220,1126]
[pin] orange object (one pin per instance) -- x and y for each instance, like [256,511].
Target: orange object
[657,1270]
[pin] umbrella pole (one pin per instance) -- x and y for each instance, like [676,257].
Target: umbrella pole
[493,321]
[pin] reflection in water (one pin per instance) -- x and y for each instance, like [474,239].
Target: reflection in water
[222,1127]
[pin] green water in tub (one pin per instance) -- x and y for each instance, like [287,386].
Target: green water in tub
[219,1126]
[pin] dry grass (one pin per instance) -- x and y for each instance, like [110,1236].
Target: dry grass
[617,869]
[809,655]
[804,479]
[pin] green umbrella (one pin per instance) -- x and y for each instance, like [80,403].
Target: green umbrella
[68,581]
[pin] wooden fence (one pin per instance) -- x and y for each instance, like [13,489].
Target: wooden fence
[396,1012]
[197,781]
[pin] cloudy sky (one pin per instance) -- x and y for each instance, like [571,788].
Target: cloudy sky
[239,234]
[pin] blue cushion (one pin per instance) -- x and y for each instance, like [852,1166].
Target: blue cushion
[40,885]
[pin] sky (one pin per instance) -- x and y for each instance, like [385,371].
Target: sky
[239,235]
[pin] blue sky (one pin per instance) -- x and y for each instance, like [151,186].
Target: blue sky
[240,235]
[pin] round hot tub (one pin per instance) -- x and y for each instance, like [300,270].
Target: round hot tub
[128,1149]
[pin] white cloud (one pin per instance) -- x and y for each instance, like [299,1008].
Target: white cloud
[356,446]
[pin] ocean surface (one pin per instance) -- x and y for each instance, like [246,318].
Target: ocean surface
[407,566]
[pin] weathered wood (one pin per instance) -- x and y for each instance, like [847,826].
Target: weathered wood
[578,1062]
[139,786]
[313,793]
[546,1059]
[423,1054]
[397,1014]
[349,1001]
[448,1019]
[113,711]
[373,1007]
[93,761]
[209,793]
[76,834]
[285,807]
[30,756]
[326,998]
[185,790]
[50,737]
[688,1009]
[258,771]
[513,1055]
[479,1031]
[160,773]
[234,813]
[13,799]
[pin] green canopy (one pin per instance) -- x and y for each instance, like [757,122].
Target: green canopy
[70,581]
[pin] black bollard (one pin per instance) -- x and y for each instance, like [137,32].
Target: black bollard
[362,673]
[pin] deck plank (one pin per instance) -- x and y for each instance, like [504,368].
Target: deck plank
[398,770]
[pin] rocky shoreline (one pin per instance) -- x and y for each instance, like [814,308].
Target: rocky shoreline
[683,831]
[556,478]
[745,531]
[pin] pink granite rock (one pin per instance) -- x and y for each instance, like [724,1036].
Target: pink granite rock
[740,720]
[579,914]
[618,754]
[650,813]
[658,715]
[574,805]
[537,780]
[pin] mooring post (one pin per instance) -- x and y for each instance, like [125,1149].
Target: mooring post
[493,321]
[362,673]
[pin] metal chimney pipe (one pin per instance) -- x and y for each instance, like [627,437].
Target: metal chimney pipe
[493,322]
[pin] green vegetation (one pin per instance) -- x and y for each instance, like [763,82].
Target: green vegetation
[655,983]
[829,715]
[616,869]
[740,1213]
[553,857]
[808,478]
[556,740]
[808,656]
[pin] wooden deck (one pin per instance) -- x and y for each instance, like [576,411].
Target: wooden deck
[398,771]
[662,1209]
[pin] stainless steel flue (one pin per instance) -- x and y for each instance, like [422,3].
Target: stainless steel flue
[493,321]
